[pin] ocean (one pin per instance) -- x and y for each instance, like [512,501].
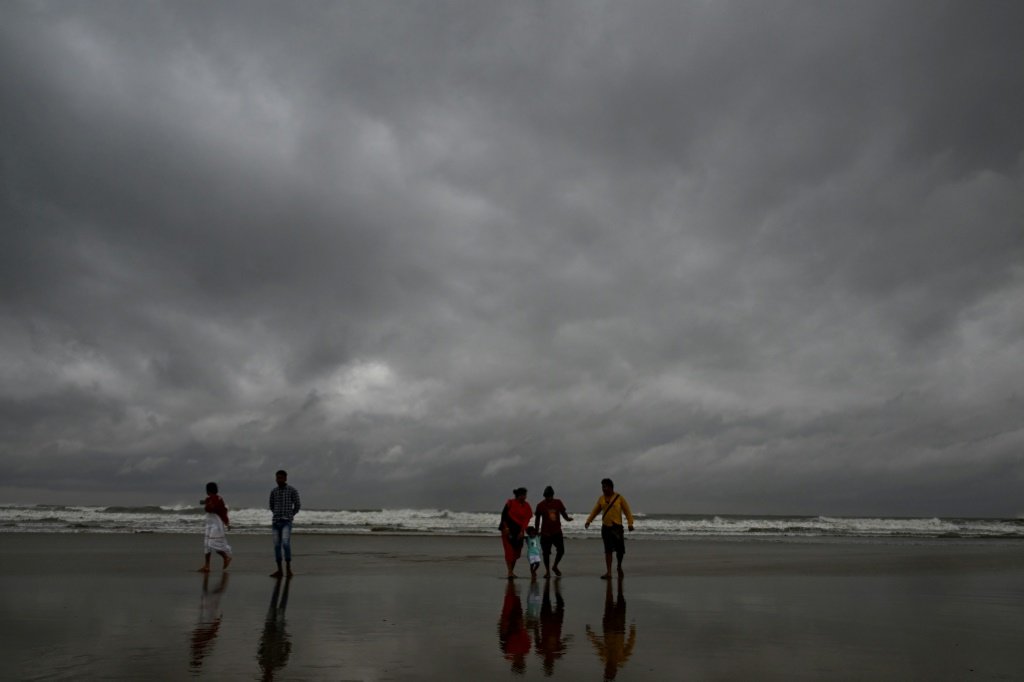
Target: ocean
[188,519]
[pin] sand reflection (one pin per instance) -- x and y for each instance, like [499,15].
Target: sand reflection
[613,646]
[513,639]
[275,643]
[549,643]
[210,616]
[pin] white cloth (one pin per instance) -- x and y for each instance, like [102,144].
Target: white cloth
[216,539]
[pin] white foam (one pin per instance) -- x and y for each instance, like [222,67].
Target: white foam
[189,519]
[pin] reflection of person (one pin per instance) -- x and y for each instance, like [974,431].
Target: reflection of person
[612,506]
[612,646]
[533,550]
[548,519]
[533,605]
[209,621]
[285,504]
[513,639]
[275,644]
[217,524]
[549,643]
[515,517]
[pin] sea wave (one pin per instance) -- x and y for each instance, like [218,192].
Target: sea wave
[189,519]
[151,510]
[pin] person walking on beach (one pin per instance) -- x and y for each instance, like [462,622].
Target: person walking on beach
[548,520]
[215,539]
[533,551]
[611,506]
[285,504]
[515,517]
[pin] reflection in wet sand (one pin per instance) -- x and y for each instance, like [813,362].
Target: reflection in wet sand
[549,643]
[275,644]
[210,617]
[612,646]
[533,604]
[513,639]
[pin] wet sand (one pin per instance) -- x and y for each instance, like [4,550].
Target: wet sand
[430,608]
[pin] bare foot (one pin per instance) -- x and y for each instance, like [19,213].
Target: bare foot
[227,562]
[203,569]
[289,573]
[276,574]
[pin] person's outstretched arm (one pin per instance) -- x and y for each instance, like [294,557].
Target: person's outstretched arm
[628,512]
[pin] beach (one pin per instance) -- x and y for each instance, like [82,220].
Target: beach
[392,607]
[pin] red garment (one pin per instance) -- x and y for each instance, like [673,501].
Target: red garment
[513,547]
[520,512]
[519,515]
[550,513]
[215,505]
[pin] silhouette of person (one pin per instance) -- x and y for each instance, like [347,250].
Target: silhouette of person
[284,505]
[217,524]
[613,646]
[515,517]
[548,520]
[275,644]
[210,616]
[549,643]
[612,506]
[513,639]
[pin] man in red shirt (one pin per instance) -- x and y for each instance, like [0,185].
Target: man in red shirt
[548,520]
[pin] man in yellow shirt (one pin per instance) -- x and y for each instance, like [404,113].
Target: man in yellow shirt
[612,506]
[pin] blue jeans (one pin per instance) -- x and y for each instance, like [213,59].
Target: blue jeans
[282,538]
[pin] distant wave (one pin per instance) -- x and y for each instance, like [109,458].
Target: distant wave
[151,510]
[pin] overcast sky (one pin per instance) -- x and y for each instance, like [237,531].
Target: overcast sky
[741,257]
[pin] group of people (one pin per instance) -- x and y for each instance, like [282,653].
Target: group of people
[284,505]
[540,530]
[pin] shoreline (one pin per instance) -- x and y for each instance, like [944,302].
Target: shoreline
[373,607]
[645,556]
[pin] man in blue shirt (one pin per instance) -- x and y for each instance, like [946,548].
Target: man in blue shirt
[285,504]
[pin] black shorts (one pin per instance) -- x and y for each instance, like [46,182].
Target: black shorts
[549,541]
[614,537]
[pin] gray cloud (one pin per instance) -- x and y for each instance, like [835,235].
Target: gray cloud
[757,258]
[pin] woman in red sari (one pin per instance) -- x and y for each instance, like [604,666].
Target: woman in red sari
[515,517]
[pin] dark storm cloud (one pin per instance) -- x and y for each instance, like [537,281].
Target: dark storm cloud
[751,257]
